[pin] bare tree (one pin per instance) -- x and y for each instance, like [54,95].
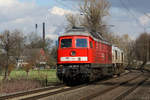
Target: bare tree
[130,53]
[7,43]
[128,47]
[33,47]
[53,56]
[94,11]
[72,21]
[11,44]
[35,41]
[19,43]
[113,39]
[142,48]
[125,43]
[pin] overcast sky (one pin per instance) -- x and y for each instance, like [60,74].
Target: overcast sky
[127,16]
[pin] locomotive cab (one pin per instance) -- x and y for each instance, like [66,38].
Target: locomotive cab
[74,56]
[73,49]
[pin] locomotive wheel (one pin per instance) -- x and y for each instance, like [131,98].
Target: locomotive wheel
[60,77]
[118,74]
[84,78]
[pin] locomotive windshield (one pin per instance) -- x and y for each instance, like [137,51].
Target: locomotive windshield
[66,43]
[81,42]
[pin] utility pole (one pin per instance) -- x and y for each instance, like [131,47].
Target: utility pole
[44,35]
[148,50]
[36,26]
[7,53]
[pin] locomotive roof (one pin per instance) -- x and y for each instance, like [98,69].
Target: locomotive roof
[83,33]
[116,48]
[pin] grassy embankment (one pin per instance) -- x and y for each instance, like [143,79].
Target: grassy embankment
[19,81]
[40,75]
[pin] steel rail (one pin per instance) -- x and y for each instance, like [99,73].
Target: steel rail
[130,90]
[14,95]
[53,93]
[99,93]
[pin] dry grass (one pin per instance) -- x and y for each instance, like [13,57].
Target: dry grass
[11,86]
[18,80]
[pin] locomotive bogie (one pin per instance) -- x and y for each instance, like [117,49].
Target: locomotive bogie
[74,73]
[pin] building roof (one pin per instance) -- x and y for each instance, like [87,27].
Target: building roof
[31,53]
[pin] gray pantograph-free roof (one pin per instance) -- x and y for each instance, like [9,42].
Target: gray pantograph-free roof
[83,32]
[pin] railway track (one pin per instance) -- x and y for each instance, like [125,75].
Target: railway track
[99,93]
[43,92]
[40,93]
[19,94]
[58,91]
[107,93]
[142,92]
[130,90]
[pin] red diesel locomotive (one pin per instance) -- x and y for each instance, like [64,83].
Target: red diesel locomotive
[82,58]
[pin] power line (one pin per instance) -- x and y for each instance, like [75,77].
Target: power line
[131,2]
[65,5]
[142,12]
[130,13]
[148,16]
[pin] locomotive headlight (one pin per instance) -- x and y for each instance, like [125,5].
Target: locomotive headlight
[73,53]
